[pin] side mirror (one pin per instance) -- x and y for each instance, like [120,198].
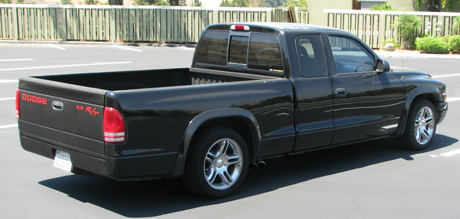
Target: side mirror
[382,66]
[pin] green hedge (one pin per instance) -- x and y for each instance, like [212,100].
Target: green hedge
[454,43]
[432,45]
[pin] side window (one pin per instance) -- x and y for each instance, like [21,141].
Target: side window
[264,53]
[350,56]
[213,48]
[238,49]
[310,52]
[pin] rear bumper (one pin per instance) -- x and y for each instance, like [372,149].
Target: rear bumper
[119,168]
[442,110]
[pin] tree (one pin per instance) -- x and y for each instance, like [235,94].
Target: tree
[273,3]
[297,3]
[151,2]
[436,5]
[235,3]
[408,28]
[197,3]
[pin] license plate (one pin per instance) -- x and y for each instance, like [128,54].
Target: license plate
[62,161]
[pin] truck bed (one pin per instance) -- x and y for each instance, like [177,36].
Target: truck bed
[127,80]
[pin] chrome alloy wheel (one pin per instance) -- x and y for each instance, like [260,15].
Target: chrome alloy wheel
[223,164]
[424,125]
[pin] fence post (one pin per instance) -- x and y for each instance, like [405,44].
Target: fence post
[15,23]
[163,24]
[63,24]
[381,30]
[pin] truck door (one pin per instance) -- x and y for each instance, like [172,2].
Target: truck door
[313,90]
[367,104]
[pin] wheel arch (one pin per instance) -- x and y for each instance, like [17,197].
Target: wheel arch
[240,120]
[431,94]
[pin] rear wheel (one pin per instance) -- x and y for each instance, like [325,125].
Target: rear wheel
[217,164]
[421,126]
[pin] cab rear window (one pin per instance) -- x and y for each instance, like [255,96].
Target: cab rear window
[256,51]
[213,48]
[238,49]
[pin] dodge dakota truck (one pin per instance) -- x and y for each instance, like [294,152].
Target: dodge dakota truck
[254,91]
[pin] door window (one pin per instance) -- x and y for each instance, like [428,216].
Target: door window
[350,56]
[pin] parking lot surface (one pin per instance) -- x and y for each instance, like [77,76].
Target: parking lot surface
[376,179]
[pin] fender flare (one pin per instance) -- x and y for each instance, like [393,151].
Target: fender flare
[197,122]
[433,91]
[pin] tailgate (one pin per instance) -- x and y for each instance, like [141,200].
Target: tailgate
[65,115]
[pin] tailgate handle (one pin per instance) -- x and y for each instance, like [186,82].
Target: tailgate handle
[57,105]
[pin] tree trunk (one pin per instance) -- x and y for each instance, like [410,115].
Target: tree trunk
[433,5]
[115,2]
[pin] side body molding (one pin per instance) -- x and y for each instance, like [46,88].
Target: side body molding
[197,122]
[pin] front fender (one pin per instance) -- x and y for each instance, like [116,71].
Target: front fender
[197,122]
[434,94]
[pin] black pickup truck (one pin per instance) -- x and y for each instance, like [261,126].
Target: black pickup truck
[254,91]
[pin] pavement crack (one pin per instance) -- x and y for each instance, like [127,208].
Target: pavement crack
[358,204]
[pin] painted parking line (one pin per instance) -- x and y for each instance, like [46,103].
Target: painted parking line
[445,76]
[8,81]
[15,60]
[8,98]
[127,48]
[451,153]
[56,47]
[65,66]
[8,126]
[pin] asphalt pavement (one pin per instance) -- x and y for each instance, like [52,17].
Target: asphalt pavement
[376,179]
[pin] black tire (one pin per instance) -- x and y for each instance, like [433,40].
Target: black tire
[217,163]
[421,126]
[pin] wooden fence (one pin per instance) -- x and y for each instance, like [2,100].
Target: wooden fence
[375,26]
[127,23]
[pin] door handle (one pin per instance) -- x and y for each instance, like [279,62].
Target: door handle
[341,92]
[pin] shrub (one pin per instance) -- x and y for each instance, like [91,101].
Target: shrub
[382,7]
[432,45]
[408,27]
[454,43]
[446,38]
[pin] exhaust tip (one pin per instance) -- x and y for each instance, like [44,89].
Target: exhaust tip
[259,165]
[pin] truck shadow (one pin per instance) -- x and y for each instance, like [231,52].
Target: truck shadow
[154,198]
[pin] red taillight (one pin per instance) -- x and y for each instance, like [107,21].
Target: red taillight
[18,109]
[114,126]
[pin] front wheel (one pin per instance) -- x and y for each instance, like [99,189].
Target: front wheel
[218,163]
[421,126]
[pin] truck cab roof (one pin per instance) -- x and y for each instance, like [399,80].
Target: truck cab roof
[272,27]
